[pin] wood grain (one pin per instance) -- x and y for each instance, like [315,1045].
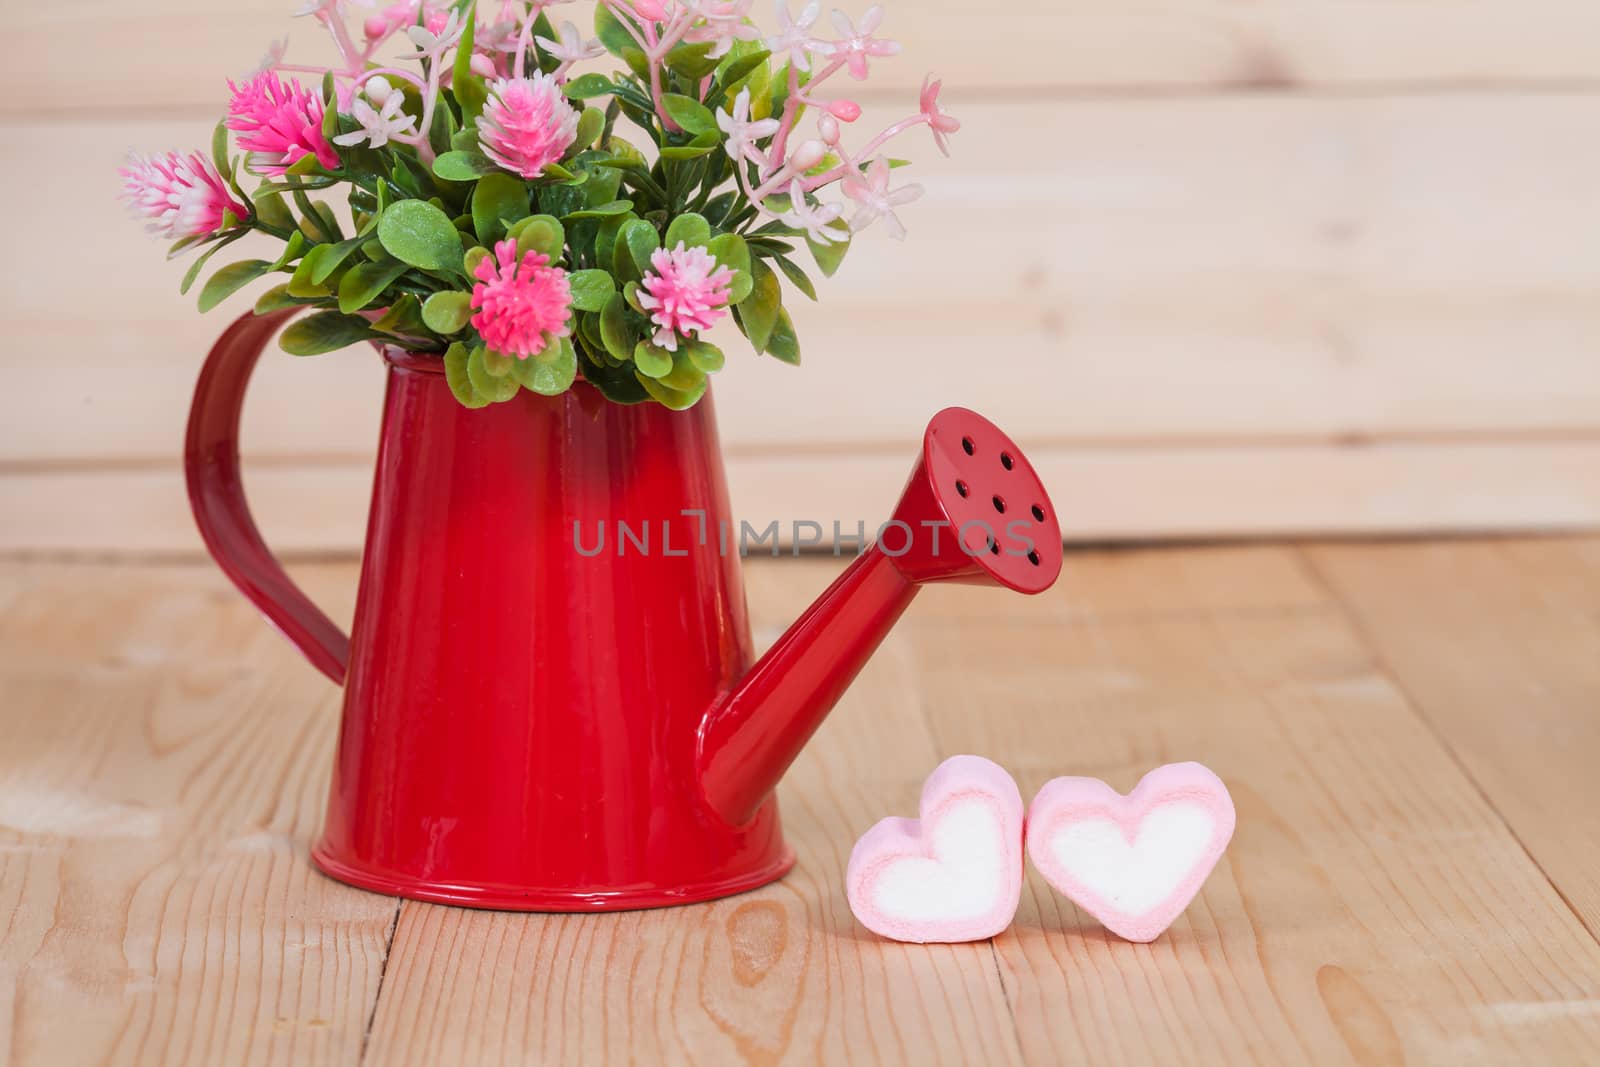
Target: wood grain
[782,975]
[163,768]
[1152,270]
[1372,907]
[77,57]
[165,762]
[1103,493]
[1498,645]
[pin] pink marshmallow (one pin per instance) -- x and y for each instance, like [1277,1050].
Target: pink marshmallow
[1134,862]
[955,874]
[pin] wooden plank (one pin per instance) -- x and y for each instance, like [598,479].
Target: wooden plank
[1104,494]
[1372,908]
[782,975]
[164,766]
[1149,271]
[77,57]
[1498,645]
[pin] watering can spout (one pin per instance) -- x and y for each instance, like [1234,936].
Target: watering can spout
[973,512]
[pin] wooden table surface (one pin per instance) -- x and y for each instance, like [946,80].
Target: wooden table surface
[1409,731]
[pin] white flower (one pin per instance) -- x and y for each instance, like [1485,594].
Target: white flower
[432,45]
[859,43]
[378,124]
[273,57]
[724,23]
[877,200]
[571,48]
[794,35]
[816,220]
[743,134]
[337,8]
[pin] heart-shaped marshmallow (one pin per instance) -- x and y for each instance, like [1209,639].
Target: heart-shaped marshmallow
[1134,862]
[955,874]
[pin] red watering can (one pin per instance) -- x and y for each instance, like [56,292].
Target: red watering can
[551,700]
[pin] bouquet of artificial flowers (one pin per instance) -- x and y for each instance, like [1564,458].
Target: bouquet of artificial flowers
[498,217]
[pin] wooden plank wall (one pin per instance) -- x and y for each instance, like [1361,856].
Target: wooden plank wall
[1224,269]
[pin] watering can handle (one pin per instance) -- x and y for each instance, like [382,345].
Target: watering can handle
[216,493]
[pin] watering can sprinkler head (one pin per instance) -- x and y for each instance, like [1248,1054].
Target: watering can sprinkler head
[973,512]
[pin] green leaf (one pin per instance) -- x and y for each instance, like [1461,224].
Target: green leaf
[672,398]
[365,282]
[419,234]
[497,364]
[706,356]
[276,299]
[549,375]
[615,207]
[732,252]
[613,35]
[230,280]
[326,331]
[684,376]
[272,211]
[797,277]
[702,145]
[693,230]
[652,361]
[641,241]
[591,289]
[759,312]
[300,283]
[784,345]
[403,319]
[500,199]
[736,67]
[589,86]
[199,264]
[291,250]
[470,261]
[219,148]
[829,257]
[691,61]
[689,113]
[448,312]
[455,373]
[497,390]
[591,120]
[330,256]
[468,87]
[616,331]
[463,166]
[540,233]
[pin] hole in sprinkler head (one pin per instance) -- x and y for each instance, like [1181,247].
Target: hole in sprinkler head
[999,505]
[1033,557]
[1006,461]
[1038,513]
[961,487]
[966,443]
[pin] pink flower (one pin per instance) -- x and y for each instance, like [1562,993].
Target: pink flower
[741,133]
[181,196]
[526,124]
[857,44]
[794,35]
[280,123]
[724,22]
[522,306]
[686,292]
[941,123]
[654,10]
[877,201]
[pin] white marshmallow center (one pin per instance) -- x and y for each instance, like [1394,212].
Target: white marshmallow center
[1135,877]
[964,878]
